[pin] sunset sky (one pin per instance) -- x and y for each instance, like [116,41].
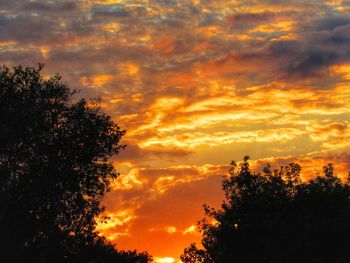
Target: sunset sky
[196,84]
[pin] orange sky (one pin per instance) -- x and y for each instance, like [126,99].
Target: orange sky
[196,84]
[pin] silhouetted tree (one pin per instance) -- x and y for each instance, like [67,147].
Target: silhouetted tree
[103,252]
[275,217]
[53,171]
[192,254]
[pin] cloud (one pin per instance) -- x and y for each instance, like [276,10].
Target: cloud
[22,57]
[134,153]
[244,19]
[312,55]
[329,23]
[311,166]
[51,7]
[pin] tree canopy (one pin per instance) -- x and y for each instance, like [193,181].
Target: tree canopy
[274,216]
[54,169]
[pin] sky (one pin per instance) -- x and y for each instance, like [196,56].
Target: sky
[196,84]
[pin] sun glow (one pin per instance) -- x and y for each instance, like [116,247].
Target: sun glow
[165,260]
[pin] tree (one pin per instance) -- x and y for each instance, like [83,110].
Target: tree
[275,217]
[192,254]
[54,169]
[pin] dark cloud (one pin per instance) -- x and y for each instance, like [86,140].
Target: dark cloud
[309,56]
[250,18]
[330,23]
[320,51]
[26,29]
[20,57]
[113,11]
[9,6]
[50,7]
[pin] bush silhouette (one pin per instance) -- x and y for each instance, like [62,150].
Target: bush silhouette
[275,217]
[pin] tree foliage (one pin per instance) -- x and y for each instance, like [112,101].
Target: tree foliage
[276,217]
[192,254]
[54,170]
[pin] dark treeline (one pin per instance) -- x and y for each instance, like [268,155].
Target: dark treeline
[54,170]
[275,217]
